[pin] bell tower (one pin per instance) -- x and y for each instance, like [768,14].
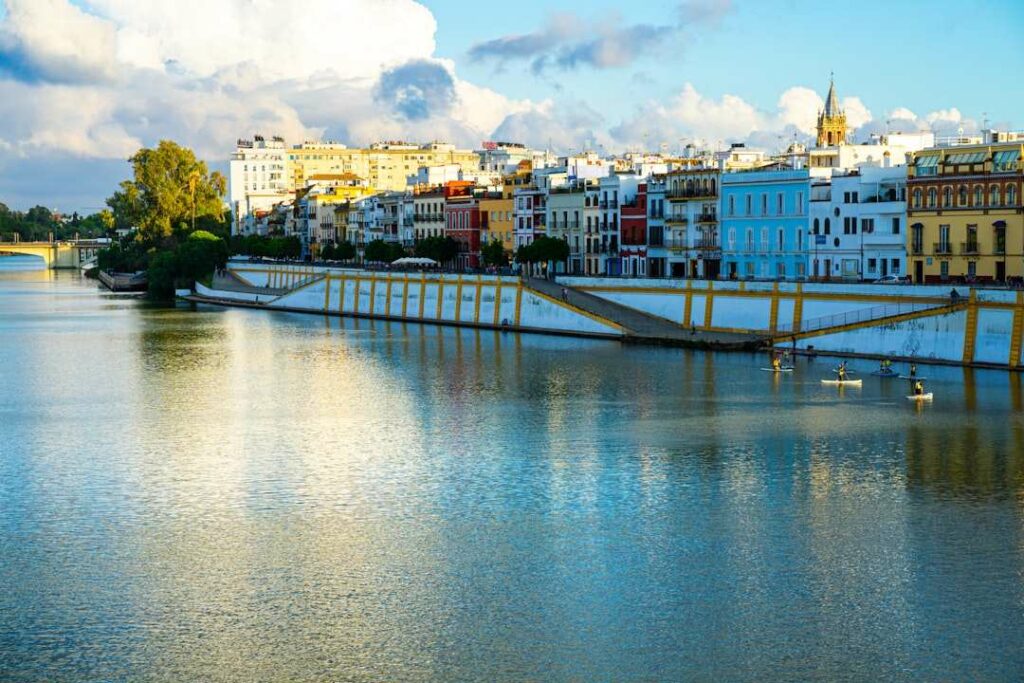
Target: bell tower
[831,120]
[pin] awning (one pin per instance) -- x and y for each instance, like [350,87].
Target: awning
[966,158]
[999,224]
[927,161]
[1006,156]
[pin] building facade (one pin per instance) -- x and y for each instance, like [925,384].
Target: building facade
[858,224]
[965,214]
[764,224]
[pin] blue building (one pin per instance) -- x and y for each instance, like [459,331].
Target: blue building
[764,224]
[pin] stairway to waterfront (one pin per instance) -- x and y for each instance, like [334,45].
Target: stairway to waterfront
[638,325]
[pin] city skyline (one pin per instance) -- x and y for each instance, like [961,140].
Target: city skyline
[85,84]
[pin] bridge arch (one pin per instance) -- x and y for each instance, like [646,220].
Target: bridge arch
[43,251]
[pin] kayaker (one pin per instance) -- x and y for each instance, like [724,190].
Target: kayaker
[841,371]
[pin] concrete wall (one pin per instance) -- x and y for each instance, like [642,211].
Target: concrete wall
[949,337]
[484,300]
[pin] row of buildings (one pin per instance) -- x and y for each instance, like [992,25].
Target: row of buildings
[905,205]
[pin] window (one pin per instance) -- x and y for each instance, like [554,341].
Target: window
[895,225]
[750,239]
[993,195]
[732,205]
[963,195]
[933,197]
[828,227]
[979,195]
[780,270]
[895,266]
[764,205]
[917,199]
[867,225]
[943,245]
[764,239]
[732,239]
[814,230]
[1011,195]
[750,203]
[944,269]
[799,202]
[781,241]
[947,196]
[872,263]
[846,198]
[779,203]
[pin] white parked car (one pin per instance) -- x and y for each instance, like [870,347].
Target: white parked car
[893,280]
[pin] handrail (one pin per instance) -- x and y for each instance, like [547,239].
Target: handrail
[861,315]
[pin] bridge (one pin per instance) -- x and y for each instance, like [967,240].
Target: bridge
[59,254]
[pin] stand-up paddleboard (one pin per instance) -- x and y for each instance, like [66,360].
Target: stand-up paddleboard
[889,374]
[782,369]
[915,378]
[843,382]
[920,397]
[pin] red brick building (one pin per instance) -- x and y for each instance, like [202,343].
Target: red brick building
[462,222]
[633,233]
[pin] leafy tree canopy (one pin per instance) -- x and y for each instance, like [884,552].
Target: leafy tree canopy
[170,188]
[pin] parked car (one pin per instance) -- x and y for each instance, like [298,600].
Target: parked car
[893,280]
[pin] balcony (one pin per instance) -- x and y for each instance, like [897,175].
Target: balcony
[707,218]
[677,244]
[968,248]
[942,248]
[609,204]
[917,249]
[676,220]
[708,244]
[999,249]
[681,193]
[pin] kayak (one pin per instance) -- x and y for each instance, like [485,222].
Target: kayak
[920,397]
[843,382]
[782,369]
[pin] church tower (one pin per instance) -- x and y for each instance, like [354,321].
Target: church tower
[831,120]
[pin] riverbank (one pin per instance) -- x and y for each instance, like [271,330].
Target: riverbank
[983,328]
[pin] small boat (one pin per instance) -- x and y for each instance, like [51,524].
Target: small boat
[784,368]
[843,382]
[920,397]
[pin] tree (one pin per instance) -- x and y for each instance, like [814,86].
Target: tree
[199,256]
[345,251]
[327,252]
[377,251]
[493,254]
[170,188]
[441,249]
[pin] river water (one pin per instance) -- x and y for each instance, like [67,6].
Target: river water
[231,495]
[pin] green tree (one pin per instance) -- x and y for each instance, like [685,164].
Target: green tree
[377,251]
[441,249]
[493,254]
[170,188]
[328,251]
[345,251]
[162,275]
[198,256]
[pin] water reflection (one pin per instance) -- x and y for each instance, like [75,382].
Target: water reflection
[196,494]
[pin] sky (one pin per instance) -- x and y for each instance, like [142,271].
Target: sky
[85,83]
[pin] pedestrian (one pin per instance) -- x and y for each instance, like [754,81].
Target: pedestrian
[693,328]
[954,296]
[565,294]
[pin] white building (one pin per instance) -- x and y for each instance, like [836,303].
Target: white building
[858,224]
[884,151]
[257,179]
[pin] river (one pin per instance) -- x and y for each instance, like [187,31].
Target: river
[234,495]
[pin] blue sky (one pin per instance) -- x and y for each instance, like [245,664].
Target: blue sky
[84,83]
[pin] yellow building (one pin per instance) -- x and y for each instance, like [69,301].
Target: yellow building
[964,213]
[385,165]
[497,215]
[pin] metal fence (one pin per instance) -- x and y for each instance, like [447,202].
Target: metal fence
[861,315]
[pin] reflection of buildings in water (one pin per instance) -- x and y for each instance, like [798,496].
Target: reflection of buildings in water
[966,458]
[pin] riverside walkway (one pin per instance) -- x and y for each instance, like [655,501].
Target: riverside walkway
[640,326]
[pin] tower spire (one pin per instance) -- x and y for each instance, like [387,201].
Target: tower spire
[831,120]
